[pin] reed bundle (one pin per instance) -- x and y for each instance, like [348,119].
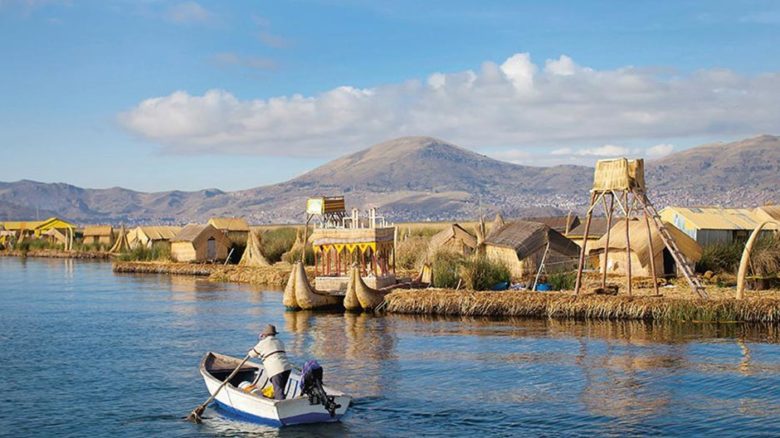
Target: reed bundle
[563,305]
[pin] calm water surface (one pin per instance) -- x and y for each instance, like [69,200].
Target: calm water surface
[85,352]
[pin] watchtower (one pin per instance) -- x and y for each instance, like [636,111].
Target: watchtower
[622,181]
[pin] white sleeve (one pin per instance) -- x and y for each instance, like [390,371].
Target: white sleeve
[255,351]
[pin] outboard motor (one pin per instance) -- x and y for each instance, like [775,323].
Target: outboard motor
[311,384]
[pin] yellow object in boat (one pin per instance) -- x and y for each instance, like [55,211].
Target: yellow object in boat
[269,392]
[248,388]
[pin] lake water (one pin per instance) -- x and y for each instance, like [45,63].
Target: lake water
[85,352]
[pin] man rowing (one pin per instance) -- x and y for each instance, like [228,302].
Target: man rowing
[277,367]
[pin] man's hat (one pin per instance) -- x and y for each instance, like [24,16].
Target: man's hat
[270,330]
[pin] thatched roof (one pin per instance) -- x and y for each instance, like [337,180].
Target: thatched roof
[229,223]
[191,232]
[639,242]
[98,231]
[528,237]
[598,227]
[768,212]
[455,232]
[561,224]
[158,232]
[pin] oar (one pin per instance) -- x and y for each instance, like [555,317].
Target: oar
[195,414]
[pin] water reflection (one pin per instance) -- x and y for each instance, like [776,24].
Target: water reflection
[410,375]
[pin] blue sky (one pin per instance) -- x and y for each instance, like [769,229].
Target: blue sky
[160,95]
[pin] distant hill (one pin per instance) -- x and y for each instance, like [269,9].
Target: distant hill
[422,178]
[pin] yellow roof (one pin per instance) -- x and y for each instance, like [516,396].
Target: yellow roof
[229,223]
[52,222]
[715,218]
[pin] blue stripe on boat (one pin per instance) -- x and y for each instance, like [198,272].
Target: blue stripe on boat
[314,417]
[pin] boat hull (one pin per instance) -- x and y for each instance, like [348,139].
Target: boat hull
[244,406]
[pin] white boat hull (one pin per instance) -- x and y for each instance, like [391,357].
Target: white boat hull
[259,409]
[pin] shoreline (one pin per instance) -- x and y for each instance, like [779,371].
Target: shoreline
[57,254]
[274,276]
[675,305]
[562,305]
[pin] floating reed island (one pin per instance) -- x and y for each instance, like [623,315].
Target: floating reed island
[57,254]
[763,309]
[272,275]
[133,267]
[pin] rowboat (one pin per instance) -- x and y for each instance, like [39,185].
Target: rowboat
[254,406]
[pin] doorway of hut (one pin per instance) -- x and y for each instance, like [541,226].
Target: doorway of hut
[670,266]
[211,249]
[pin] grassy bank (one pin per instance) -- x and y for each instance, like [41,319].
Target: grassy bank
[764,309]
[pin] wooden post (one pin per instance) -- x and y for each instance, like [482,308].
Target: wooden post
[584,244]
[652,251]
[628,240]
[305,238]
[610,210]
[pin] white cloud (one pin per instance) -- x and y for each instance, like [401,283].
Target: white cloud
[563,66]
[188,12]
[660,150]
[608,150]
[510,105]
[517,156]
[562,151]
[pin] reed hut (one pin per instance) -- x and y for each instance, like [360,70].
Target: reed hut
[199,243]
[561,224]
[235,228]
[640,250]
[522,246]
[152,236]
[498,222]
[98,235]
[454,238]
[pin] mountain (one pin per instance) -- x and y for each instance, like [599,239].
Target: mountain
[421,178]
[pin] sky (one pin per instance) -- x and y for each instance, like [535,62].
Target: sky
[157,95]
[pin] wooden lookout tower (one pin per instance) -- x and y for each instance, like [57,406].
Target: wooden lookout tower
[622,181]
